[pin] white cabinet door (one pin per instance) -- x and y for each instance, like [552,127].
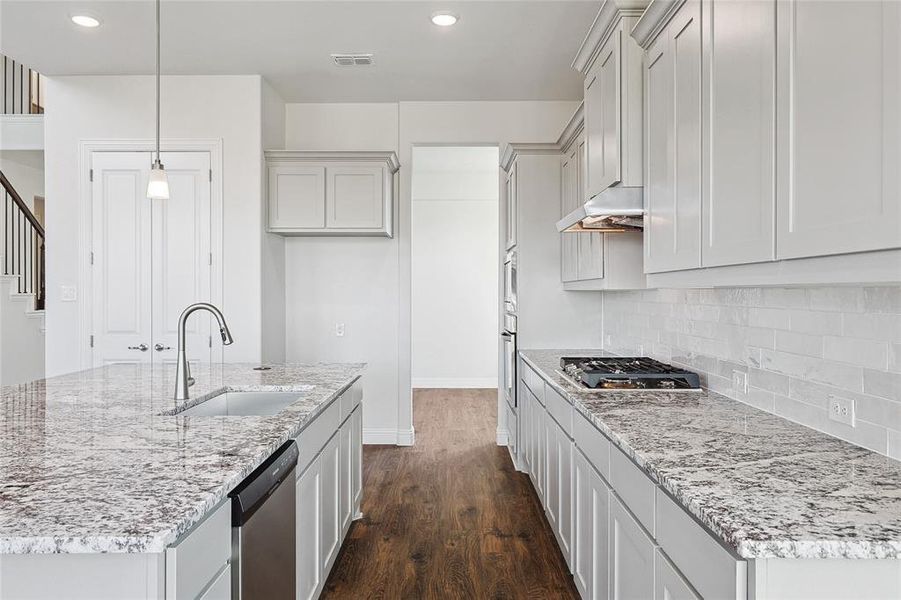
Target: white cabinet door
[591,256]
[524,406]
[330,465]
[552,479]
[668,583]
[569,267]
[309,531]
[345,507]
[673,184]
[355,197]
[511,207]
[590,530]
[296,197]
[356,478]
[564,493]
[602,117]
[631,560]
[740,124]
[540,434]
[839,116]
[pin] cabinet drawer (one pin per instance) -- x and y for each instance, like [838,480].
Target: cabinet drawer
[668,582]
[315,435]
[534,381]
[350,399]
[193,562]
[707,565]
[560,409]
[593,444]
[634,487]
[221,588]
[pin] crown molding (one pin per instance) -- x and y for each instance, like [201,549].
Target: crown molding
[612,11]
[657,15]
[511,151]
[572,130]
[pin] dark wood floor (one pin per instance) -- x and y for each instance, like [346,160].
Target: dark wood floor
[449,517]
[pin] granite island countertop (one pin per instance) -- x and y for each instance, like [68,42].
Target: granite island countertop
[96,462]
[767,487]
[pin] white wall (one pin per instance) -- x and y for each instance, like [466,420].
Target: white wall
[454,267]
[365,283]
[272,268]
[799,347]
[120,108]
[25,171]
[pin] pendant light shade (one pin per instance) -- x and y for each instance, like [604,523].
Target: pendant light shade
[158,186]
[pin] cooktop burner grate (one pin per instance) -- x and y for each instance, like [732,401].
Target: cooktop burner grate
[628,373]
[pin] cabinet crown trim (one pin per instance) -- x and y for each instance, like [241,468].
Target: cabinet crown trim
[387,157]
[612,11]
[511,151]
[654,19]
[573,128]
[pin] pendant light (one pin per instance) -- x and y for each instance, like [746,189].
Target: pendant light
[158,185]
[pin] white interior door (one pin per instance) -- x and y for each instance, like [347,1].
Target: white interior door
[150,258]
[121,286]
[182,259]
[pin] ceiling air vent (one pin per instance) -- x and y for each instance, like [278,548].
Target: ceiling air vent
[352,60]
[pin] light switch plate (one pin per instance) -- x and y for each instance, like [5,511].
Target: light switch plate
[339,329]
[68,293]
[740,382]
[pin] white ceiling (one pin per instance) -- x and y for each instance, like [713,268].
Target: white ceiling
[499,50]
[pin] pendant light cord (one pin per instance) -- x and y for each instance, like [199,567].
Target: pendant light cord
[157,81]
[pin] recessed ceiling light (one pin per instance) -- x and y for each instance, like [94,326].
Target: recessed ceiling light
[444,19]
[86,21]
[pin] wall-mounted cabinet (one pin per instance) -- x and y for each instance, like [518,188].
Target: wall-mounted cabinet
[331,193]
[726,84]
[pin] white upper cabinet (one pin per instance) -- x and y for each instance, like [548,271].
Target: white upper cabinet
[331,193]
[739,110]
[839,115]
[610,61]
[569,255]
[510,203]
[673,184]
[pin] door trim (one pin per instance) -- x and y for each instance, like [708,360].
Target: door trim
[85,228]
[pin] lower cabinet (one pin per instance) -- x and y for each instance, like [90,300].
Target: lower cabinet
[668,583]
[329,490]
[631,560]
[591,513]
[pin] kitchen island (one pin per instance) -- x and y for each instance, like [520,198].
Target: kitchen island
[709,496]
[99,472]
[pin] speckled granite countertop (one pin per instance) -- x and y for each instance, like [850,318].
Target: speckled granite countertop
[88,463]
[769,488]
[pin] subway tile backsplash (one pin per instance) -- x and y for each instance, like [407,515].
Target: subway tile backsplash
[798,346]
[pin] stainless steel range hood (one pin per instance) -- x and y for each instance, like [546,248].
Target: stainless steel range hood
[616,209]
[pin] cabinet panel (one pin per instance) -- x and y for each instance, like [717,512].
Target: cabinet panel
[602,117]
[296,197]
[839,116]
[511,207]
[673,193]
[356,478]
[569,255]
[635,488]
[345,505]
[551,495]
[590,530]
[739,116]
[564,453]
[330,464]
[668,583]
[631,560]
[591,256]
[309,528]
[355,197]
[221,589]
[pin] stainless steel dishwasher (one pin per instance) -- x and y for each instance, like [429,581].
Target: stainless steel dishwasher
[263,530]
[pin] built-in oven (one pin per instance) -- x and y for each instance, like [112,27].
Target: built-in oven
[510,283]
[508,335]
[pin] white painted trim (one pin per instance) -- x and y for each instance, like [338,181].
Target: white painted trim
[217,223]
[388,436]
[21,132]
[455,383]
[502,436]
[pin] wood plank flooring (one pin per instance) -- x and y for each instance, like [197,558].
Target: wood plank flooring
[449,517]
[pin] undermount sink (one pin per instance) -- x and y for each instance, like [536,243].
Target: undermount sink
[244,404]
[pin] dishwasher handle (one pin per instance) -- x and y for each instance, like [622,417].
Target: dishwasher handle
[265,479]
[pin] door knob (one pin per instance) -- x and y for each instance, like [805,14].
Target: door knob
[142,347]
[160,347]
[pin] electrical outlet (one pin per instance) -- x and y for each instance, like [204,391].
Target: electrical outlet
[339,329]
[841,410]
[740,382]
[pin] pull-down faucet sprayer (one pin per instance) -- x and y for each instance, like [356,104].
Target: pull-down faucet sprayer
[183,378]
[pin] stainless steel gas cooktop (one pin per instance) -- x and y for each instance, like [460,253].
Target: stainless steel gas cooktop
[628,373]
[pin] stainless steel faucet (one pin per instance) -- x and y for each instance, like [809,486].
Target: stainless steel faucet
[183,379]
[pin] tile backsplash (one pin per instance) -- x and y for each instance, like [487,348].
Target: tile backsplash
[798,347]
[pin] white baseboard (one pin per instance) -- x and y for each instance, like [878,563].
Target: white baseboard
[502,436]
[383,436]
[454,383]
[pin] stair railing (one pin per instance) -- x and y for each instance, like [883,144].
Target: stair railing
[21,88]
[23,244]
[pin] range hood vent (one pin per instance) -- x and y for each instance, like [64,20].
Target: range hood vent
[616,209]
